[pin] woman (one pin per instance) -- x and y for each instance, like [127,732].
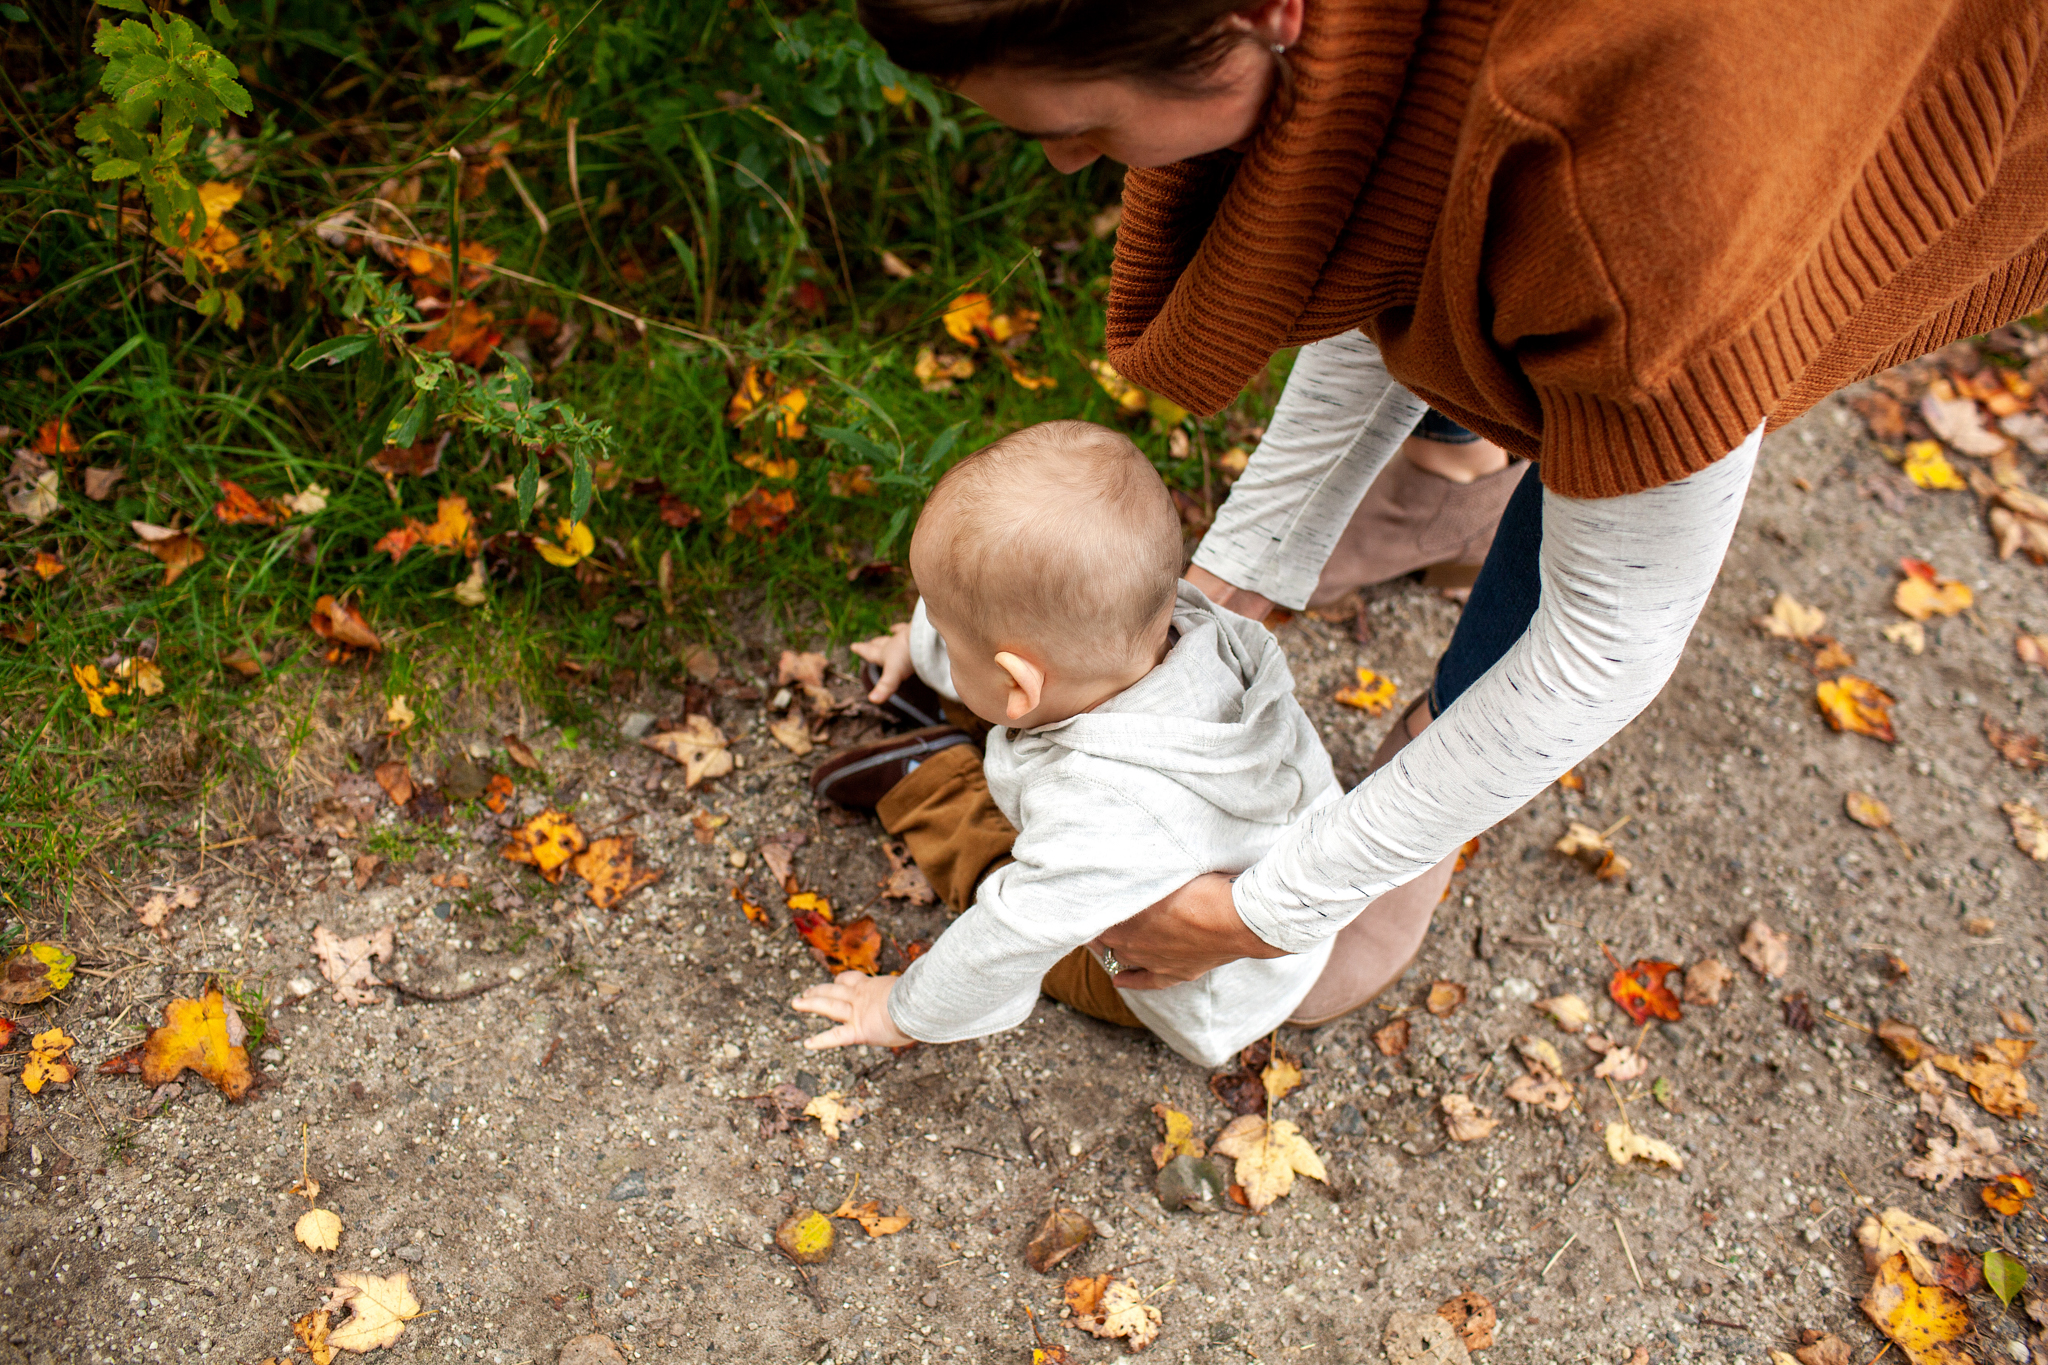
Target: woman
[1621,238]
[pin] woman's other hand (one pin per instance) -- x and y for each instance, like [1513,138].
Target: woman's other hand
[1192,931]
[891,654]
[1226,595]
[859,1005]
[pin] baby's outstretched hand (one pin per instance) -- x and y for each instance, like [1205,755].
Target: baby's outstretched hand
[890,653]
[859,1005]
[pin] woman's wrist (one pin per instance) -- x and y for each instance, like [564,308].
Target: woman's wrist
[1228,595]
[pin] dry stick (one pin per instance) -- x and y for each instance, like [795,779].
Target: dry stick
[1631,1257]
[1554,1255]
[1850,1022]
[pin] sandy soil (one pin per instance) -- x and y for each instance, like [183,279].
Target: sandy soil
[576,1149]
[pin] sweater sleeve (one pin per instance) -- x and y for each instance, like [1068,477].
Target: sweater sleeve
[1339,420]
[1624,579]
[928,656]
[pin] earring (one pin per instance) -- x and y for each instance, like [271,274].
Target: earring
[1279,49]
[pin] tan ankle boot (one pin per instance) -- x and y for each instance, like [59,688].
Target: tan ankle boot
[1375,949]
[1412,519]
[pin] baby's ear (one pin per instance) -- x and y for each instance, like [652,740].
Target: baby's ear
[1027,684]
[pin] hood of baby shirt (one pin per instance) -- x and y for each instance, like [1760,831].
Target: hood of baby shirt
[1217,716]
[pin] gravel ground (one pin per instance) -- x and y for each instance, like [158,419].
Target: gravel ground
[577,1150]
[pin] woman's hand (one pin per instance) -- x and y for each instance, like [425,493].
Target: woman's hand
[859,1005]
[890,653]
[1181,937]
[1228,596]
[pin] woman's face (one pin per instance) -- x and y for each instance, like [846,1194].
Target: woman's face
[1135,122]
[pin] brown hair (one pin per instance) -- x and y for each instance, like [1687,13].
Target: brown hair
[1175,46]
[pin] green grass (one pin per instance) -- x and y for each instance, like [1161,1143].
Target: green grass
[703,217]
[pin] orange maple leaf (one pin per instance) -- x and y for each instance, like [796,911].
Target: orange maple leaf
[1640,990]
[855,947]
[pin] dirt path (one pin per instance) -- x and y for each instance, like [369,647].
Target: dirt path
[575,1149]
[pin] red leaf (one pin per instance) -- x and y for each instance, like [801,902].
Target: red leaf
[855,947]
[1641,992]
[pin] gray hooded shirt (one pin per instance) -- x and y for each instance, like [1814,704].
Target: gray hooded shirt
[1199,766]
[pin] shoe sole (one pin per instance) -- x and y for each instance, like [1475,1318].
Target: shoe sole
[823,782]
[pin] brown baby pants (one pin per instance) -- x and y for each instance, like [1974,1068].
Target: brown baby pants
[956,835]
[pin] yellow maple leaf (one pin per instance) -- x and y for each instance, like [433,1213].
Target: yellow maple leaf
[936,371]
[88,679]
[573,543]
[1858,706]
[967,314]
[545,843]
[1921,1319]
[1373,695]
[767,466]
[194,1036]
[47,1062]
[1928,467]
[381,1306]
[318,1229]
[1268,1157]
[1180,1139]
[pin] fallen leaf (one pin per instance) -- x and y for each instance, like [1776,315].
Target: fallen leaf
[1767,950]
[792,732]
[573,543]
[1911,634]
[519,752]
[1444,996]
[1922,593]
[32,487]
[1472,1314]
[1568,1012]
[101,479]
[1546,1090]
[311,1330]
[302,504]
[35,971]
[1920,1319]
[762,514]
[1625,1144]
[1705,980]
[470,592]
[1424,1339]
[1622,1064]
[346,962]
[1592,851]
[2029,829]
[157,910]
[906,881]
[2005,1275]
[855,947]
[1268,1157]
[830,1110]
[893,265]
[2016,1020]
[811,902]
[1392,1039]
[699,746]
[805,1237]
[46,565]
[1641,992]
[938,371]
[1112,1309]
[1279,1076]
[858,482]
[1867,810]
[607,864]
[195,1036]
[318,1229]
[1571,781]
[2009,1193]
[1831,655]
[1373,695]
[871,1218]
[2022,750]
[1466,1121]
[96,692]
[141,674]
[1825,1348]
[1958,421]
[1898,1233]
[343,624]
[1190,1182]
[498,792]
[967,314]
[178,550]
[238,505]
[1798,1012]
[1927,467]
[47,1062]
[1789,620]
[1902,1039]
[1179,1140]
[545,843]
[1858,706]
[1063,1233]
[1994,1081]
[55,438]
[396,780]
[380,1305]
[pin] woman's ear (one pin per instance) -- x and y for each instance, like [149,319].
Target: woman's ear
[1276,23]
[1027,684]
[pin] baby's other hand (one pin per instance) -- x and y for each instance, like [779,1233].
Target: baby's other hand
[859,1005]
[891,653]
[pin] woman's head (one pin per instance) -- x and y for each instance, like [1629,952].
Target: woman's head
[1136,81]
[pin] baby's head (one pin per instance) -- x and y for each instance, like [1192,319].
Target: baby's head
[1047,561]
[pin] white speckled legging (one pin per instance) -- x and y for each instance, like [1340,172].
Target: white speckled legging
[1622,582]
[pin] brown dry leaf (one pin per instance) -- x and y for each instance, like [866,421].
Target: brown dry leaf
[545,843]
[1621,1064]
[805,1237]
[699,746]
[1923,594]
[196,1035]
[1392,1038]
[1767,950]
[318,1229]
[1466,1121]
[830,1110]
[1540,1055]
[1902,1039]
[607,864]
[1975,1151]
[1592,850]
[1910,635]
[380,1306]
[792,732]
[100,480]
[1180,1139]
[907,881]
[1921,1320]
[157,910]
[343,624]
[396,780]
[1568,1012]
[1898,1233]
[311,1330]
[1268,1158]
[1538,1088]
[519,751]
[2016,1020]
[2032,649]
[2016,747]
[1472,1314]
[178,550]
[1791,621]
[871,1218]
[1063,1233]
[346,962]
[1857,706]
[1995,1083]
[1831,655]
[1867,810]
[1825,1349]
[1444,996]
[1625,1144]
[1705,980]
[1110,1309]
[2029,829]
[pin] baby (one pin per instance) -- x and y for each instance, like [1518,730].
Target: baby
[1142,736]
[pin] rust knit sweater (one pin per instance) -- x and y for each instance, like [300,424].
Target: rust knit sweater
[1613,235]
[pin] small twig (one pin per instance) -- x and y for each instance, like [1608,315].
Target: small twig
[1850,1022]
[1554,1255]
[1706,1321]
[978,1152]
[1631,1257]
[1880,1353]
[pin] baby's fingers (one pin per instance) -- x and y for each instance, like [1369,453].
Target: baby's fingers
[845,1035]
[823,1000]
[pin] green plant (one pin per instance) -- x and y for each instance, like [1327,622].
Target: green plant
[252,1002]
[166,80]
